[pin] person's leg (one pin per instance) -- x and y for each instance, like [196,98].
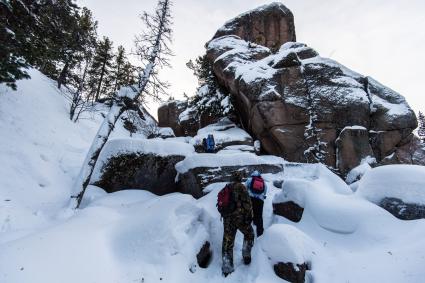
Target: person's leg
[260,228]
[227,246]
[248,241]
[257,207]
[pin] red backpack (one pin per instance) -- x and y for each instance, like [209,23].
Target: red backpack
[257,185]
[225,200]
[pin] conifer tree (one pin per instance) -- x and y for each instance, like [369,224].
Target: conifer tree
[17,24]
[100,71]
[153,48]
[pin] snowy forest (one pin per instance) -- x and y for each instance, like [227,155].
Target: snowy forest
[282,164]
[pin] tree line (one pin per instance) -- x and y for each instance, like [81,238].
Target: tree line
[60,39]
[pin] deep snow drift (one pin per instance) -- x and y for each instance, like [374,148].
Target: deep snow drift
[135,236]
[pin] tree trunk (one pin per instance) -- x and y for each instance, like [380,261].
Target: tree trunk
[62,75]
[102,73]
[115,112]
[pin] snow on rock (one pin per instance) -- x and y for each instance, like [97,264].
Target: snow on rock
[394,181]
[270,25]
[285,243]
[358,172]
[225,133]
[278,93]
[116,147]
[220,160]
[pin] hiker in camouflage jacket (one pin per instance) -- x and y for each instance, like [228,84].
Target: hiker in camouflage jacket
[241,220]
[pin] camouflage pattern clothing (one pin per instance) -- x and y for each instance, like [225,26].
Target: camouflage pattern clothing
[240,220]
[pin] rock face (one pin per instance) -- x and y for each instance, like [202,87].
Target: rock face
[402,210]
[168,116]
[139,164]
[270,25]
[289,210]
[352,147]
[140,171]
[195,180]
[290,272]
[204,256]
[197,171]
[298,103]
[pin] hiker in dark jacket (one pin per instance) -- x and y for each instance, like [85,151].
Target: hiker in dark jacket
[241,220]
[210,144]
[257,190]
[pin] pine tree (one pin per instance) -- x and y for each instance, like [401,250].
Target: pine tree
[153,48]
[100,71]
[421,128]
[80,38]
[209,98]
[17,24]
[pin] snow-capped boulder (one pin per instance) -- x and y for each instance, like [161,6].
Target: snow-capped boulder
[289,250]
[197,171]
[397,189]
[226,134]
[288,209]
[294,101]
[139,164]
[269,25]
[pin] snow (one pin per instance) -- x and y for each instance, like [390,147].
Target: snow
[285,243]
[358,172]
[220,160]
[394,181]
[136,236]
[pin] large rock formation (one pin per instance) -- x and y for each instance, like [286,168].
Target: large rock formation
[298,103]
[270,25]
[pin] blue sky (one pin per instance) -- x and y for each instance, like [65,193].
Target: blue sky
[381,38]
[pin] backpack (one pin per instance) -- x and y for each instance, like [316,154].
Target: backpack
[226,203]
[257,185]
[210,143]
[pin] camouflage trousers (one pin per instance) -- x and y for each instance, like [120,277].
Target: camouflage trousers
[231,225]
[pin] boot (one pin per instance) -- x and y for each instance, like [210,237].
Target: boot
[227,266]
[246,252]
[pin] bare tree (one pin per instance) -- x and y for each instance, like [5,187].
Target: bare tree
[153,45]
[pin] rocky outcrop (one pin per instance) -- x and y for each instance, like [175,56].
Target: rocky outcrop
[402,210]
[139,164]
[290,210]
[270,25]
[352,147]
[198,171]
[290,272]
[195,180]
[204,256]
[411,151]
[298,103]
[140,171]
[168,116]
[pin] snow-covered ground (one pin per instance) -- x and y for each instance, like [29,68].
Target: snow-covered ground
[135,236]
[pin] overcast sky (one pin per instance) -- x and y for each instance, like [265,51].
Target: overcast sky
[384,39]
